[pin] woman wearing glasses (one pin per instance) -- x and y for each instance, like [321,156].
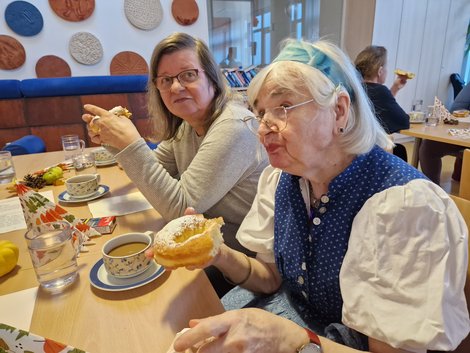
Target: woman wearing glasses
[207,158]
[352,242]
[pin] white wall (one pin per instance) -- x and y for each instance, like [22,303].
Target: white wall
[108,23]
[426,37]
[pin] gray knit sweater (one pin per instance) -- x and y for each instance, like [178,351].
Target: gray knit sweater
[217,174]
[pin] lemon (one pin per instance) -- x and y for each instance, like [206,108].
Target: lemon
[8,256]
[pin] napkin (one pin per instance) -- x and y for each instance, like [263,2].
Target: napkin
[17,308]
[119,205]
[461,133]
[440,111]
[38,209]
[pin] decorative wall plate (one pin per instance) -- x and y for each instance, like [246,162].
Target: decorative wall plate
[12,54]
[128,63]
[85,48]
[73,10]
[144,14]
[52,66]
[185,12]
[23,18]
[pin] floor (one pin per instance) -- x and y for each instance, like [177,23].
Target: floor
[447,183]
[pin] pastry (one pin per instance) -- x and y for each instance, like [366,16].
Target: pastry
[188,241]
[409,75]
[119,111]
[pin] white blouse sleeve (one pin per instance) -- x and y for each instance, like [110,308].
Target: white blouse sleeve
[403,275]
[256,232]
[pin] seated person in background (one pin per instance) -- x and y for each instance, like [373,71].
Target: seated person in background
[372,64]
[207,159]
[350,239]
[431,152]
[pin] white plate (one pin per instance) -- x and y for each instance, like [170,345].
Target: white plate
[101,279]
[105,163]
[66,197]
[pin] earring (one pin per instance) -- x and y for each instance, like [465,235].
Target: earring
[341,130]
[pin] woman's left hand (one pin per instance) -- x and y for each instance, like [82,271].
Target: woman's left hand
[245,330]
[114,131]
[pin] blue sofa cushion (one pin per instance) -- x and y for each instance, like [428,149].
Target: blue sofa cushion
[10,89]
[26,145]
[83,85]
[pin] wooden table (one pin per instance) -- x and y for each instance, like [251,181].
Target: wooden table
[144,319]
[435,133]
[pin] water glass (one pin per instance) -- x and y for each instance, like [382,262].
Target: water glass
[72,146]
[7,169]
[417,105]
[53,255]
[431,118]
[84,163]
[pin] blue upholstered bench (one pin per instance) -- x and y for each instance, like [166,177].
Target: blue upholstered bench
[10,89]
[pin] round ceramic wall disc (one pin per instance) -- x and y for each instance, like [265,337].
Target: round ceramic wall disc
[73,10]
[185,12]
[144,14]
[52,66]
[85,48]
[12,54]
[23,18]
[128,63]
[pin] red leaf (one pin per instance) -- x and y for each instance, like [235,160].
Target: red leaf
[51,346]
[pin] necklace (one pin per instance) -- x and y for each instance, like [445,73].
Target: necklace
[317,206]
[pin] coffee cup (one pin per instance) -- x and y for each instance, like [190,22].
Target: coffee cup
[102,154]
[124,255]
[83,185]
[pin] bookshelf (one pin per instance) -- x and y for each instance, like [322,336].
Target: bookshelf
[238,78]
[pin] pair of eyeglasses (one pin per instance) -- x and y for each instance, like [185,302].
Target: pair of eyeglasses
[277,120]
[185,78]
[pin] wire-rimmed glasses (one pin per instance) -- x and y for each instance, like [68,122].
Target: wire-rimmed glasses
[185,77]
[277,120]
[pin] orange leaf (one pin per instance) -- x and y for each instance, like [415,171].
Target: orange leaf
[60,210]
[51,346]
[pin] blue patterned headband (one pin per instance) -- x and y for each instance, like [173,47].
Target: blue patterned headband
[307,54]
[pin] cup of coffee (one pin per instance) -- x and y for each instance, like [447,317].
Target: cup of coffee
[124,255]
[83,185]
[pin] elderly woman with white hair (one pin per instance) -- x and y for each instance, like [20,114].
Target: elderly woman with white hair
[353,244]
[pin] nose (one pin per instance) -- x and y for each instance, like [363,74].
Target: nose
[178,86]
[263,128]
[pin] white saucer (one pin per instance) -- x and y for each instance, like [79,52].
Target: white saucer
[105,163]
[100,279]
[66,197]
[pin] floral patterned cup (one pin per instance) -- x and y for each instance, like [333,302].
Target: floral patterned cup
[124,256]
[82,185]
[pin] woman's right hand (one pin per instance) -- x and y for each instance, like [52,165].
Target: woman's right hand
[114,131]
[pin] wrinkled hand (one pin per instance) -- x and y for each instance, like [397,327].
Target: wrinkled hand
[115,131]
[245,330]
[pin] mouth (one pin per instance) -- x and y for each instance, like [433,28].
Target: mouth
[271,147]
[181,100]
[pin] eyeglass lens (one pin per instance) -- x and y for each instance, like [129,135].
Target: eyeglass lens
[185,77]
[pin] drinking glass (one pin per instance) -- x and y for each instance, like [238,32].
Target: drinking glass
[72,146]
[417,105]
[431,118]
[7,169]
[53,255]
[84,163]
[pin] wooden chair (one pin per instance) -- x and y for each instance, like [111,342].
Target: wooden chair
[464,191]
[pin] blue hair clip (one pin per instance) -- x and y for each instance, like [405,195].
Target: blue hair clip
[308,54]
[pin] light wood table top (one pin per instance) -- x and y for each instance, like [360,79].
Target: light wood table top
[438,133]
[143,319]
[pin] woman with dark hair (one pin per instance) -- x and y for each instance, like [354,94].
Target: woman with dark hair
[372,65]
[207,158]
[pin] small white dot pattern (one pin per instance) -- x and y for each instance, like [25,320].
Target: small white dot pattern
[308,256]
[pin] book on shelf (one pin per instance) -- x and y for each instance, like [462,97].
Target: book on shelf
[238,77]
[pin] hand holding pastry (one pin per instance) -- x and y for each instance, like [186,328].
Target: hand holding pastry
[107,128]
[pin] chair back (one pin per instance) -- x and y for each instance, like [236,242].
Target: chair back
[464,190]
[26,145]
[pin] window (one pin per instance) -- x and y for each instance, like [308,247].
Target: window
[248,32]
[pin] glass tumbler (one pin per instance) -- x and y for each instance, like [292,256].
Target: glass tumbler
[72,146]
[431,118]
[53,255]
[7,169]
